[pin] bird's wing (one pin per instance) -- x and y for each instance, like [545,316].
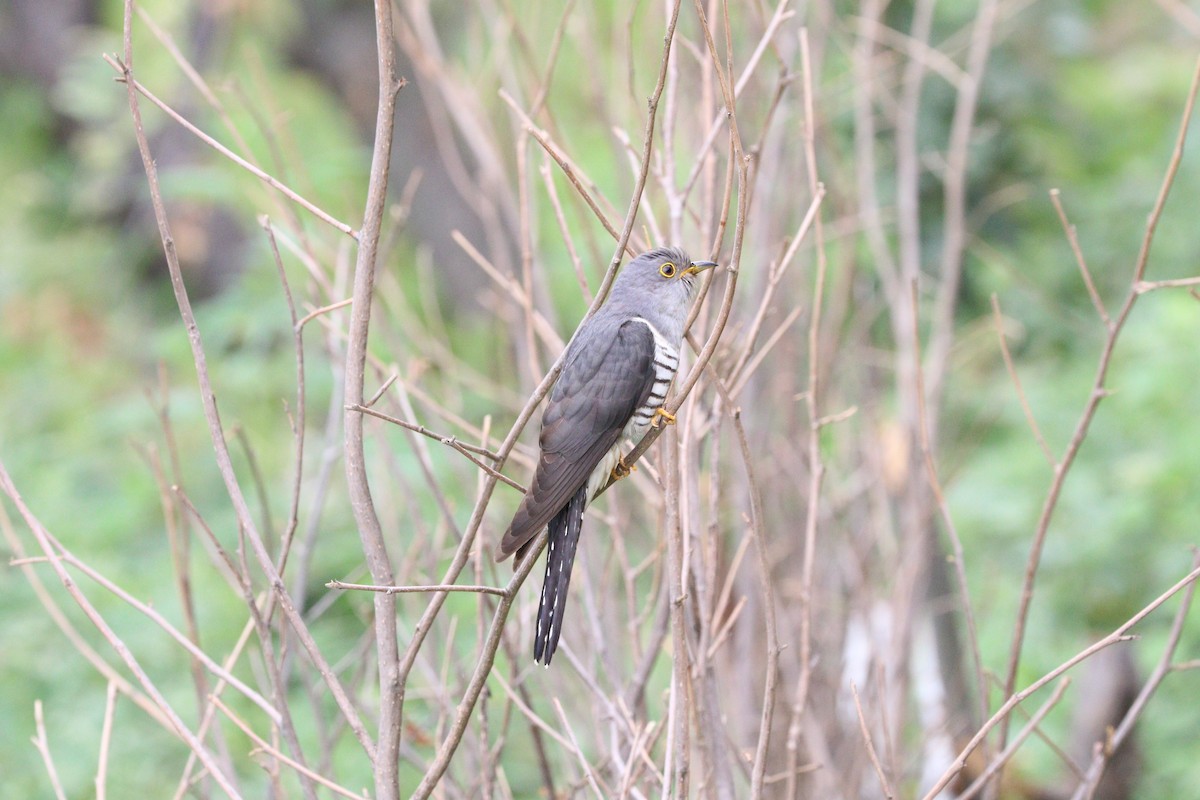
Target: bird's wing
[599,389]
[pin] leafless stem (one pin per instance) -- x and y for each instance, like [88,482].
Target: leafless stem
[126,655]
[1141,287]
[43,747]
[1016,698]
[816,469]
[866,732]
[391,689]
[998,318]
[267,747]
[274,183]
[110,707]
[1003,758]
[1091,779]
[1097,394]
[771,679]
[450,441]
[454,587]
[956,545]
[483,666]
[1073,240]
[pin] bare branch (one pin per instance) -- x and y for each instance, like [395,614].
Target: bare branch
[453,587]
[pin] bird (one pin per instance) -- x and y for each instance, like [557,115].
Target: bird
[614,378]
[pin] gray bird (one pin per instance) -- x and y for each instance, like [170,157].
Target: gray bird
[614,379]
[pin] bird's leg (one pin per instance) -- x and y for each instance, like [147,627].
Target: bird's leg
[661,417]
[622,469]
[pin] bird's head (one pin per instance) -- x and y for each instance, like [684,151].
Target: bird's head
[665,277]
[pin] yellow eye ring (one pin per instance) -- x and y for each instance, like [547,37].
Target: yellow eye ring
[667,270]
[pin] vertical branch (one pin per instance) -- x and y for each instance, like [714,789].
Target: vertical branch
[865,135]
[483,667]
[955,213]
[771,679]
[647,147]
[677,598]
[391,692]
[110,707]
[959,559]
[908,156]
[815,467]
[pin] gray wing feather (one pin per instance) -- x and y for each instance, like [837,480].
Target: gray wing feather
[599,389]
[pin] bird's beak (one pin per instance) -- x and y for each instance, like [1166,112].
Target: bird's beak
[700,266]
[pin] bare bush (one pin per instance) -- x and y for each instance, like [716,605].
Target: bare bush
[776,603]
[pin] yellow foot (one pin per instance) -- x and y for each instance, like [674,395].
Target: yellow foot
[622,469]
[661,418]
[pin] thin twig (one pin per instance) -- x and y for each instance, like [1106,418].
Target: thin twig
[76,640]
[43,747]
[771,677]
[816,467]
[273,182]
[866,733]
[998,318]
[65,556]
[935,484]
[310,316]
[110,708]
[452,587]
[1141,287]
[1080,261]
[483,666]
[1003,758]
[589,773]
[1115,738]
[574,174]
[275,753]
[452,442]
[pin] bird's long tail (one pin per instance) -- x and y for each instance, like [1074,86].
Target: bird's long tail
[560,557]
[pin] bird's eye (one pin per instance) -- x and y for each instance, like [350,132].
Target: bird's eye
[667,270]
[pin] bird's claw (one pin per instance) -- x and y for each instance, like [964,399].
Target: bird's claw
[622,469]
[661,418]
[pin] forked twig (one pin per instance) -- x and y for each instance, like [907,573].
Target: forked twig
[1121,634]
[1115,738]
[1097,394]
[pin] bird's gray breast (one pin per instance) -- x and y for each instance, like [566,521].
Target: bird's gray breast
[665,364]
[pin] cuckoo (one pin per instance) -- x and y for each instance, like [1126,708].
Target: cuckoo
[613,382]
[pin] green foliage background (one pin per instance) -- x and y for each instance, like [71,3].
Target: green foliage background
[1084,97]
